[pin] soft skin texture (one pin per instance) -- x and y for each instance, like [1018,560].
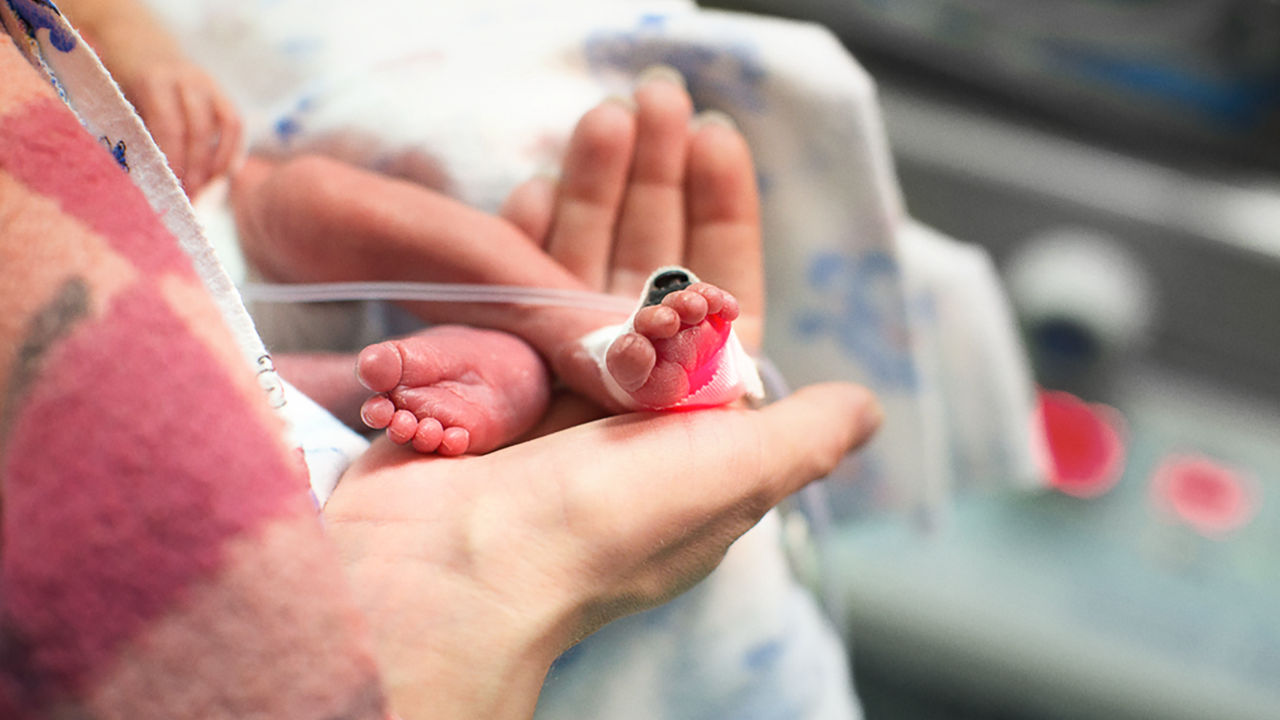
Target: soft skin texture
[453,389]
[642,186]
[188,114]
[477,572]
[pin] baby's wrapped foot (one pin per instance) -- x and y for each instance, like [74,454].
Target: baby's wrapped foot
[680,351]
[452,390]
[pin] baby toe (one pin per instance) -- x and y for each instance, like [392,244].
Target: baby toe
[403,426]
[454,441]
[712,294]
[428,436]
[630,360]
[657,322]
[729,309]
[379,367]
[689,305]
[376,412]
[719,301]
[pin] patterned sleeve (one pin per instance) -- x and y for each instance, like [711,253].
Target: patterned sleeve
[160,556]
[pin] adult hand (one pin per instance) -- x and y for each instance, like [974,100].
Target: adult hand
[191,119]
[476,572]
[185,110]
[646,184]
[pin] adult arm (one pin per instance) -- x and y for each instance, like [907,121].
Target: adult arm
[160,556]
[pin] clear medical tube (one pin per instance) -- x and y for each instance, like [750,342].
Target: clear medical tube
[433,292]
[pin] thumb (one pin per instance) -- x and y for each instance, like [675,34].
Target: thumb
[705,463]
[745,459]
[715,473]
[804,436]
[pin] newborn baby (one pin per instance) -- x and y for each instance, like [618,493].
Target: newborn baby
[455,389]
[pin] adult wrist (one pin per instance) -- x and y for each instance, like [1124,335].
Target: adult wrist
[496,677]
[448,645]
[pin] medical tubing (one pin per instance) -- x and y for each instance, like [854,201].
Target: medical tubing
[433,292]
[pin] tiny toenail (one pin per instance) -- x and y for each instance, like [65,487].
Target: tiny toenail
[660,73]
[713,117]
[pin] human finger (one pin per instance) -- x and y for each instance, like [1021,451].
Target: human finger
[673,491]
[810,432]
[728,462]
[724,244]
[529,207]
[201,135]
[593,178]
[650,231]
[230,131]
[718,463]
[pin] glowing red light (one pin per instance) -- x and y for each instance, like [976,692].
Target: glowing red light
[1086,449]
[1210,497]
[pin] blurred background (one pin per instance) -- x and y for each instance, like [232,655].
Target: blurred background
[1119,160]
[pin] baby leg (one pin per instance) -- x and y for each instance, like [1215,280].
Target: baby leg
[453,389]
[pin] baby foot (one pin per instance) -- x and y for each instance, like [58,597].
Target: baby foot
[680,351]
[453,390]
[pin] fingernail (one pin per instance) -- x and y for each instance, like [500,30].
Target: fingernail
[626,101]
[550,172]
[660,73]
[872,415]
[713,117]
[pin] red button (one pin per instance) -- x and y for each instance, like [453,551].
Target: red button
[1211,497]
[1085,444]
